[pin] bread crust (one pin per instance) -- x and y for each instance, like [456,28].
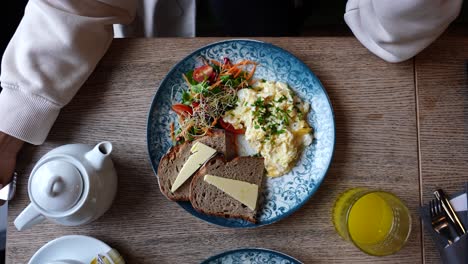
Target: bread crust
[165,188]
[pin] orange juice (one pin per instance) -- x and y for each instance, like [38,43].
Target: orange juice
[370,219]
[377,222]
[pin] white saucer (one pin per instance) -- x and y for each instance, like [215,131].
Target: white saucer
[74,247]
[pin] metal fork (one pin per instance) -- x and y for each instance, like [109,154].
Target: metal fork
[439,220]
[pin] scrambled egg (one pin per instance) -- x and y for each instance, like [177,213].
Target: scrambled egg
[275,124]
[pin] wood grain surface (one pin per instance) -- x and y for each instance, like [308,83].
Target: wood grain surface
[441,80]
[374,104]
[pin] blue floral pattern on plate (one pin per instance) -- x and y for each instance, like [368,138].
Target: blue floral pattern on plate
[283,195]
[251,256]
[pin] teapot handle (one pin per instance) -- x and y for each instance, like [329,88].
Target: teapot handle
[28,217]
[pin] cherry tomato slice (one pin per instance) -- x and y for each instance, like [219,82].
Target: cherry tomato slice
[182,109]
[202,73]
[230,128]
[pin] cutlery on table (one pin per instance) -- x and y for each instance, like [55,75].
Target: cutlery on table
[439,220]
[7,192]
[452,216]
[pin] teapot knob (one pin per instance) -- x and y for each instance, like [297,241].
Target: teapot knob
[55,186]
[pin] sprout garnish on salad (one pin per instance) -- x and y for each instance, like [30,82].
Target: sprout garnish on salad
[212,90]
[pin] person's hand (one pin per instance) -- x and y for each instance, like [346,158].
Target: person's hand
[9,148]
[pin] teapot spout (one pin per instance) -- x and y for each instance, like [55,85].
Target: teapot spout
[99,154]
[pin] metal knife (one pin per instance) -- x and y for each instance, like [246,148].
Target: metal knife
[6,194]
[452,215]
[3,231]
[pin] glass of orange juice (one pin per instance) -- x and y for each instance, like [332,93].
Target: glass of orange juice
[376,221]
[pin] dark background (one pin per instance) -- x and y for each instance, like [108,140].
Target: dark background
[221,18]
[318,18]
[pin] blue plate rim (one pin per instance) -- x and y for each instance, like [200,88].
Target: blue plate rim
[319,183]
[233,251]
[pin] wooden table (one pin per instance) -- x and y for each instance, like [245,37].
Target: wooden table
[400,127]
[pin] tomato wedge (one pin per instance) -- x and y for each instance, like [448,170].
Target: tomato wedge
[230,128]
[203,73]
[182,110]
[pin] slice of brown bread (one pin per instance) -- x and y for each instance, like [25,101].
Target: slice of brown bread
[208,199]
[175,158]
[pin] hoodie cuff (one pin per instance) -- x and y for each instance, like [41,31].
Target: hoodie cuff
[25,116]
[353,19]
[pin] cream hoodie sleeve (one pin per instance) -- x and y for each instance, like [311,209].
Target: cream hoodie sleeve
[396,30]
[55,48]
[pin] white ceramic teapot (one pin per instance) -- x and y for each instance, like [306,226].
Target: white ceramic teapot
[72,185]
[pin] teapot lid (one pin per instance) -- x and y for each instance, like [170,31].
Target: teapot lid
[56,185]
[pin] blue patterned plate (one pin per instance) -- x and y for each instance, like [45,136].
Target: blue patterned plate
[251,256]
[283,195]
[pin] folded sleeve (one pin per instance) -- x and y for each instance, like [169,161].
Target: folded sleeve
[53,51]
[399,29]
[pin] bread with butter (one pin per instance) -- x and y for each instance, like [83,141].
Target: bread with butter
[173,161]
[210,200]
